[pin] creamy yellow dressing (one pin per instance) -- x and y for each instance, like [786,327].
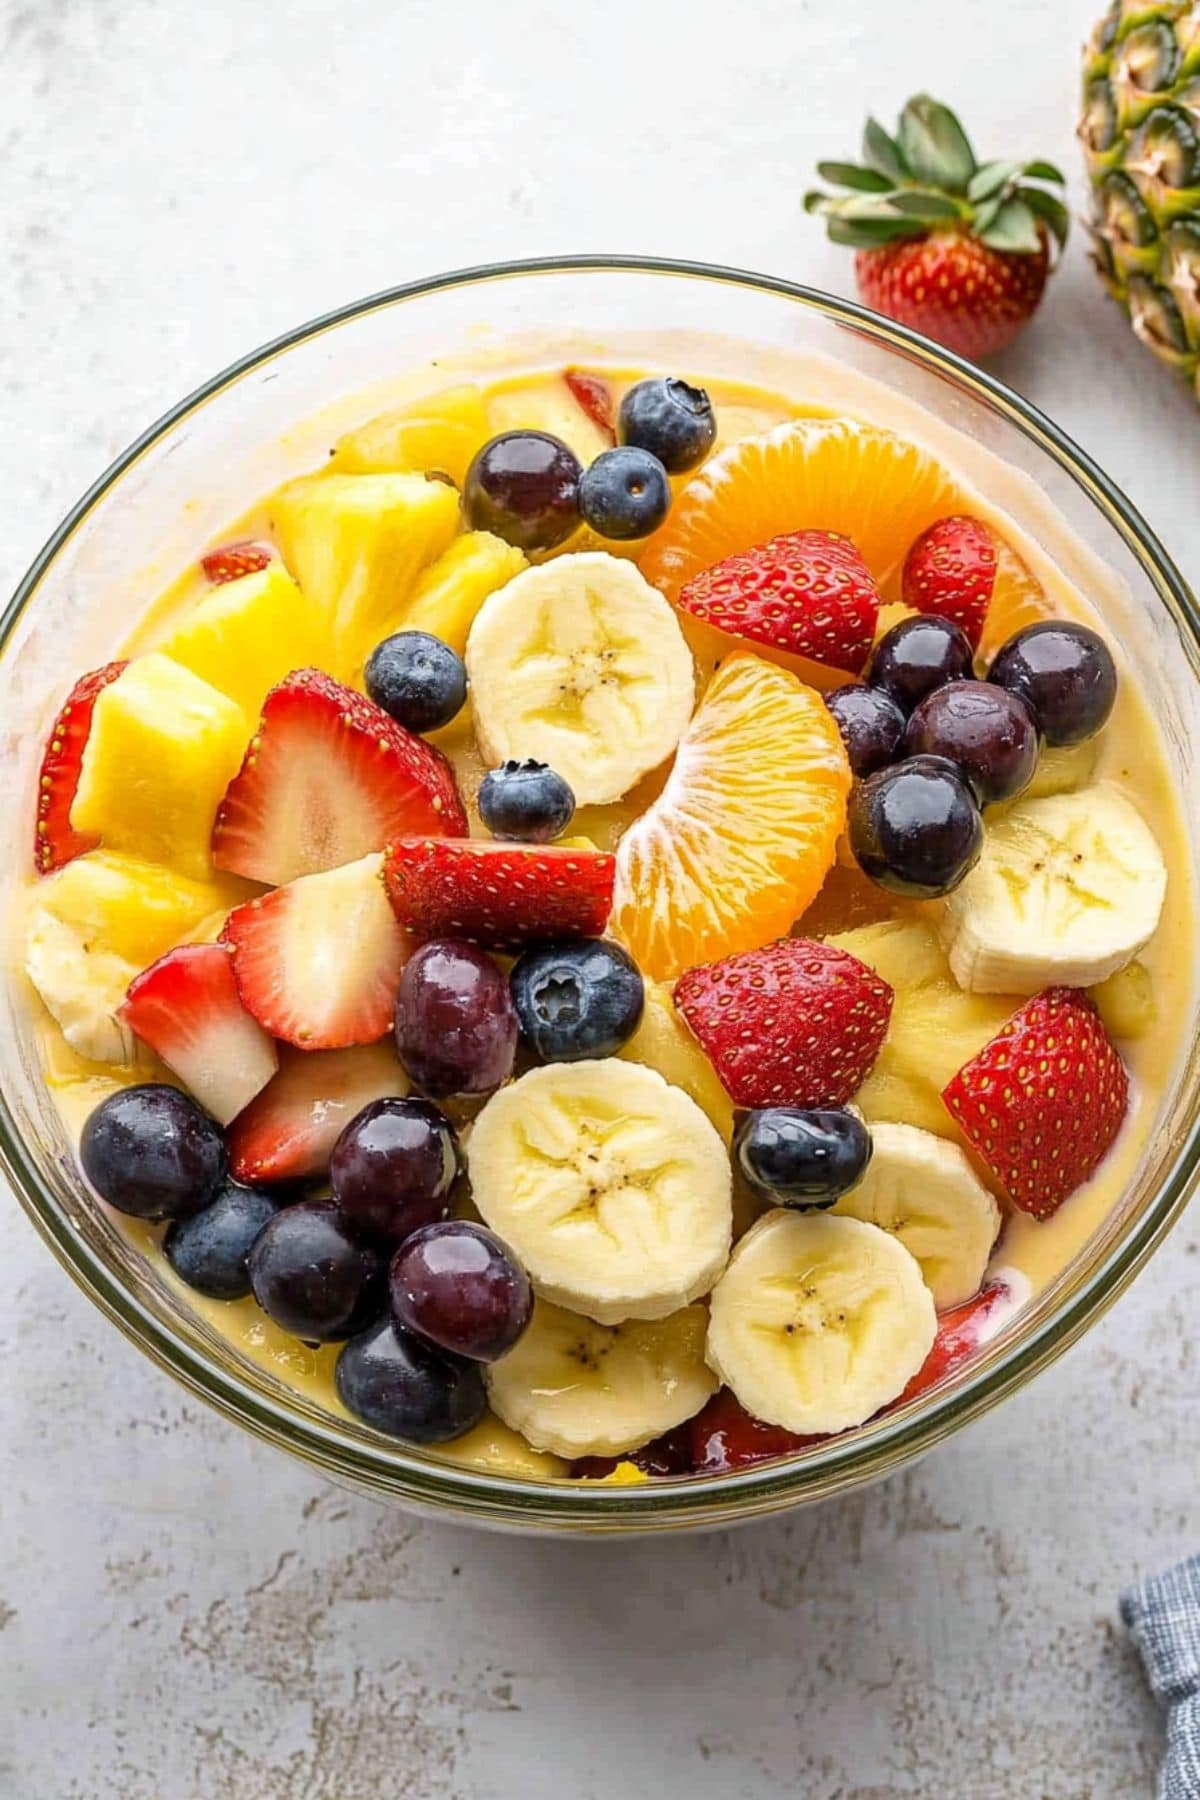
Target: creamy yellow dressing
[1131,756]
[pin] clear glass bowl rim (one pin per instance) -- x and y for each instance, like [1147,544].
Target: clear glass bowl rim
[843,1463]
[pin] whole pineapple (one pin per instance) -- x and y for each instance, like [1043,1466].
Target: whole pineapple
[1141,133]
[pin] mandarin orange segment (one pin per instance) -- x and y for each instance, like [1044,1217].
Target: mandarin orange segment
[745,830]
[809,474]
[1018,599]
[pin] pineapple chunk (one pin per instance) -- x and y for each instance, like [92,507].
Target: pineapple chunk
[662,1041]
[1126,1002]
[441,431]
[548,405]
[452,590]
[935,1027]
[356,544]
[163,748]
[96,924]
[246,635]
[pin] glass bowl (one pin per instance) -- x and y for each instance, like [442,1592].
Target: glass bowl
[274,414]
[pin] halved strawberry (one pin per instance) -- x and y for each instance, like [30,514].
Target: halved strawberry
[797,1023]
[318,962]
[595,398]
[497,895]
[808,592]
[54,842]
[960,1332]
[1042,1102]
[328,778]
[951,571]
[186,1007]
[723,1435]
[288,1132]
[232,561]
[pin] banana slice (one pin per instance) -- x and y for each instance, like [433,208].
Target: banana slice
[819,1321]
[611,1185]
[576,1388]
[1067,891]
[923,1190]
[81,983]
[581,663]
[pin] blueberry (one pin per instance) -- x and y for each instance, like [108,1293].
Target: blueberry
[150,1151]
[918,655]
[1064,673]
[802,1158]
[577,999]
[625,494]
[526,801]
[211,1250]
[523,486]
[399,1384]
[312,1276]
[915,828]
[416,678]
[671,419]
[871,724]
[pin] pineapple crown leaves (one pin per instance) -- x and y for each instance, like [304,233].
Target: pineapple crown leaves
[927,178]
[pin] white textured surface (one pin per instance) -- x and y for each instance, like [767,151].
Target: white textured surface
[187,1616]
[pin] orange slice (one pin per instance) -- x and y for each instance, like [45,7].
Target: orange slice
[822,474]
[745,830]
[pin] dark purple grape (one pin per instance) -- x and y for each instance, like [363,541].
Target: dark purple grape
[524,487]
[400,1385]
[393,1167]
[987,733]
[915,828]
[461,1287]
[312,1275]
[871,724]
[1064,673]
[918,655]
[150,1151]
[456,1027]
[211,1250]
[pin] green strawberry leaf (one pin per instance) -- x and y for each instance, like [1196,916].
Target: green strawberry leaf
[986,215]
[919,203]
[1013,228]
[935,146]
[1049,208]
[852,175]
[990,178]
[883,153]
[868,234]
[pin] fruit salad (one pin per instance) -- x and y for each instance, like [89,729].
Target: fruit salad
[617,931]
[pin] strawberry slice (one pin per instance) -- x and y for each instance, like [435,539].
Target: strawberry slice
[186,1007]
[725,1436]
[951,571]
[498,895]
[318,962]
[55,842]
[960,1332]
[232,561]
[594,398]
[797,1023]
[808,592]
[1042,1102]
[328,778]
[288,1132]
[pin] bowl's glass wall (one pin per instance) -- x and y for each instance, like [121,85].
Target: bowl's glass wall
[276,416]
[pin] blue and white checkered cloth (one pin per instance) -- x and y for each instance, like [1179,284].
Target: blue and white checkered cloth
[1163,1616]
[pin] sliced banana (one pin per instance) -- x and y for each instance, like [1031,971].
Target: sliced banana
[612,1187]
[576,1388]
[1067,891]
[923,1190]
[82,983]
[819,1321]
[581,663]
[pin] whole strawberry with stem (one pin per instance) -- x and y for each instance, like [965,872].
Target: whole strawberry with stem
[950,246]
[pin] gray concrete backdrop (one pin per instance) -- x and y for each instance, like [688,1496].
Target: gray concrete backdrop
[185,1615]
